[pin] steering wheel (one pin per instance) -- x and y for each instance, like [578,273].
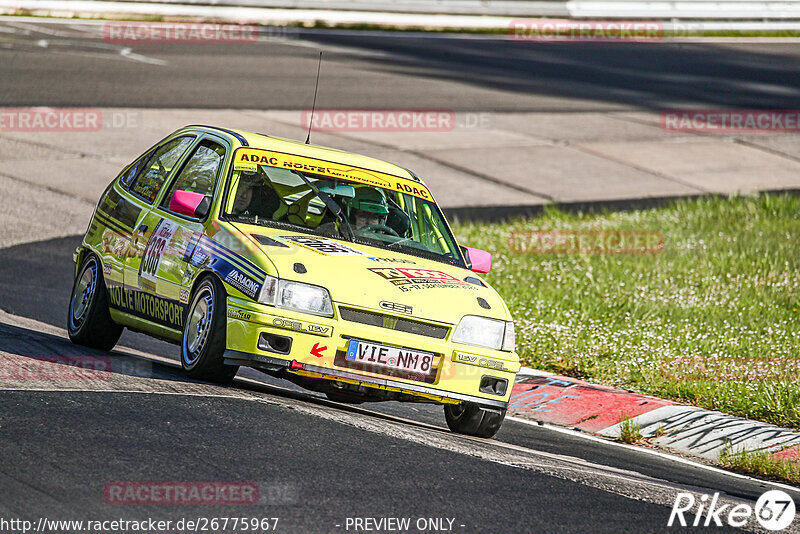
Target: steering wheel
[379,228]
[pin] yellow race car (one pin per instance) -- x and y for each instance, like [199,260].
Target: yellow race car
[333,270]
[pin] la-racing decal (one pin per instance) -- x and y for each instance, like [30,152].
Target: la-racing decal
[243,283]
[162,311]
[154,252]
[326,247]
[247,159]
[408,279]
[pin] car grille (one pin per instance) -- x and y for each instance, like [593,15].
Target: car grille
[392,322]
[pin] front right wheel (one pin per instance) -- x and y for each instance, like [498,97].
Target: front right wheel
[470,419]
[203,344]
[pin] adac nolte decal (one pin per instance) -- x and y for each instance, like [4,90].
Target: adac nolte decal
[156,309]
[408,279]
[243,283]
[248,158]
[326,247]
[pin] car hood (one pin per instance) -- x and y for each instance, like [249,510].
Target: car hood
[378,278]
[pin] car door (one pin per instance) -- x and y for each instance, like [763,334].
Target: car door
[112,225]
[200,173]
[151,238]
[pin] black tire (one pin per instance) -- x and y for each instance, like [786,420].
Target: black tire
[88,321]
[470,419]
[203,343]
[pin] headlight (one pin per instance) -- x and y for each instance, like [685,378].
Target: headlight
[480,331]
[296,296]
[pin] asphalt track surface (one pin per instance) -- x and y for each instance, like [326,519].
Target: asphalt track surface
[58,65]
[328,462]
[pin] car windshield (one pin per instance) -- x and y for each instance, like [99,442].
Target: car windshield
[275,196]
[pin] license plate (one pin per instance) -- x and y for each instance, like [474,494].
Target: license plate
[386,357]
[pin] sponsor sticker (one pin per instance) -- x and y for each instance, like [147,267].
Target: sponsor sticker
[165,312]
[326,247]
[247,158]
[243,283]
[393,260]
[238,314]
[156,247]
[408,279]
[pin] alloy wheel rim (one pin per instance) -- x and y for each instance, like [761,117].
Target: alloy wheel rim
[199,325]
[83,293]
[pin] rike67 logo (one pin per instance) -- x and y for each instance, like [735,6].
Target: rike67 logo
[774,510]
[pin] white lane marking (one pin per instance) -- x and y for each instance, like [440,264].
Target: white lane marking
[130,54]
[83,38]
[644,450]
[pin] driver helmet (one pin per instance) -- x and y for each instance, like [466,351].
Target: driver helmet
[369,203]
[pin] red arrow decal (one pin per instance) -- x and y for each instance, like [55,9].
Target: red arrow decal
[316,350]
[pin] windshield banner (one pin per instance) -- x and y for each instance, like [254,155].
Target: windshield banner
[247,159]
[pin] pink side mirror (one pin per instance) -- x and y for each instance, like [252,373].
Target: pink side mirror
[190,204]
[480,260]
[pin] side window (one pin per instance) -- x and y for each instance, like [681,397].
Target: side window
[127,177]
[155,172]
[201,171]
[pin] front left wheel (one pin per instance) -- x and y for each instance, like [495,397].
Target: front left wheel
[89,322]
[203,344]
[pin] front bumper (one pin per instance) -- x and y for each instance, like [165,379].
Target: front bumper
[318,343]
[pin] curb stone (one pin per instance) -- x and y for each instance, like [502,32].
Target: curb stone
[684,429]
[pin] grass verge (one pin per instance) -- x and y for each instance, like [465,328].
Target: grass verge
[711,319]
[761,463]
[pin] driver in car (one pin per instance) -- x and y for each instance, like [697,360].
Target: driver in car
[368,207]
[254,197]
